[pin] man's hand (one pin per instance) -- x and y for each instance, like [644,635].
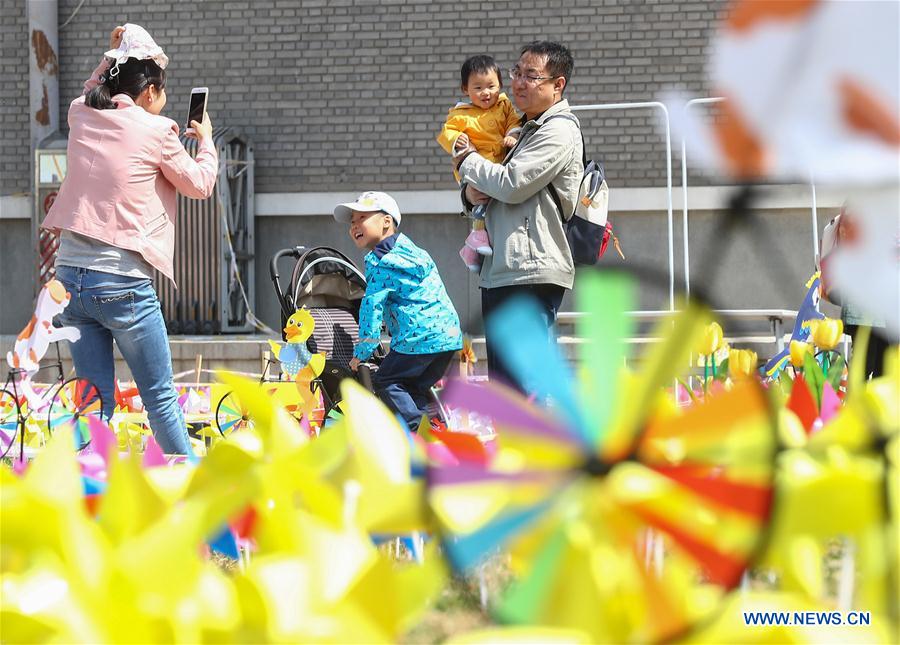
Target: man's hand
[354,363]
[475,196]
[115,37]
[510,141]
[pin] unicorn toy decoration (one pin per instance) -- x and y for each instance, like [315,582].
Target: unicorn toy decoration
[34,341]
[808,312]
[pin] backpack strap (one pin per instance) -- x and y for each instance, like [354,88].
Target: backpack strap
[584,162]
[571,117]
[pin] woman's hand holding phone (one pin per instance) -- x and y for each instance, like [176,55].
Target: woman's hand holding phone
[200,129]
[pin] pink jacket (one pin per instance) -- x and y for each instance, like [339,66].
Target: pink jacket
[124,168]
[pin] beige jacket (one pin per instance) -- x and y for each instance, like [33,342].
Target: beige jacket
[522,220]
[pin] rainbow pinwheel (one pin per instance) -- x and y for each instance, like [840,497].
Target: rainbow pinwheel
[627,518]
[73,406]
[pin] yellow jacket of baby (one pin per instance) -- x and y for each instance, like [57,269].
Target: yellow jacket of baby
[485,128]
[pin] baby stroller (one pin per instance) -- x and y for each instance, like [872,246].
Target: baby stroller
[329,285]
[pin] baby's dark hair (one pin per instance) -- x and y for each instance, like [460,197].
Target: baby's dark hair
[480,64]
[133,77]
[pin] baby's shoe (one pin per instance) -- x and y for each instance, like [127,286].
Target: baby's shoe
[479,240]
[470,256]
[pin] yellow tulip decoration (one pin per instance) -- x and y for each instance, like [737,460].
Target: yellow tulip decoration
[826,334]
[712,341]
[741,363]
[799,350]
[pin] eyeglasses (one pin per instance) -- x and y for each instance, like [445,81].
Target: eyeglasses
[515,73]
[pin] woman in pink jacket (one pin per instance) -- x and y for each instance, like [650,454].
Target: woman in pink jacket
[115,213]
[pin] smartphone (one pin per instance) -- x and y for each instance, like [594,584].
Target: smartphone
[198,106]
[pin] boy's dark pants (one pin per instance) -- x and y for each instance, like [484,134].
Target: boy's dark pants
[403,382]
[548,298]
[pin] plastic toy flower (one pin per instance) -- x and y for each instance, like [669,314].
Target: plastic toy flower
[712,341]
[741,363]
[798,351]
[826,333]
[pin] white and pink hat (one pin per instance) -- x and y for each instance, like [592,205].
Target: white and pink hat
[136,43]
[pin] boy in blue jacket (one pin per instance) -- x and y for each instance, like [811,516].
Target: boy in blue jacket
[405,291]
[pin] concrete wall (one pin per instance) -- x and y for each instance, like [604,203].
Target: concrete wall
[765,266]
[17,261]
[755,272]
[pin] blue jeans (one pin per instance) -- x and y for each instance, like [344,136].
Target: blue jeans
[404,381]
[107,307]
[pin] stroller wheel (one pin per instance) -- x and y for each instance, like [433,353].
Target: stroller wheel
[231,416]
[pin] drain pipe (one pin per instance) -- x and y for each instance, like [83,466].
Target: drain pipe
[43,70]
[43,102]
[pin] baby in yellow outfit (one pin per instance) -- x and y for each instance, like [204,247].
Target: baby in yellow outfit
[489,123]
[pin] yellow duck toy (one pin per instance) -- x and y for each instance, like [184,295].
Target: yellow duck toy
[298,364]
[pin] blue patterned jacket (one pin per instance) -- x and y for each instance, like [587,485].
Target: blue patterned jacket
[405,291]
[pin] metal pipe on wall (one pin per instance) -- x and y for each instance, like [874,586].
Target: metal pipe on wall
[43,95]
[43,69]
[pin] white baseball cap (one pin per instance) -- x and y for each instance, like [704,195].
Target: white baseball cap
[369,202]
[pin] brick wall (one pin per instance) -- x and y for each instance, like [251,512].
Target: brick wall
[346,94]
[15,167]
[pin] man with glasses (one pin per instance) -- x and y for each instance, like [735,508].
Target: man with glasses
[531,256]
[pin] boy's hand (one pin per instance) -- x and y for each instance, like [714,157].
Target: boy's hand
[462,142]
[510,141]
[354,363]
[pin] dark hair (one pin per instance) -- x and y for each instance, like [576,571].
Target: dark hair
[559,58]
[479,65]
[133,78]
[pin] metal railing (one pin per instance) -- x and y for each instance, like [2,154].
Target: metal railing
[655,105]
[775,317]
[684,197]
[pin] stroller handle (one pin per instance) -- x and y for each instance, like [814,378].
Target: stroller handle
[364,375]
[287,308]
